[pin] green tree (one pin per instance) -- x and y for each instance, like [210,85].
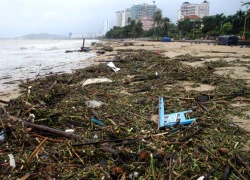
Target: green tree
[227,28]
[184,26]
[164,26]
[138,29]
[157,17]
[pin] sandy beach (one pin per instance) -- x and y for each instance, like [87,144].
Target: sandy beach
[115,116]
[207,52]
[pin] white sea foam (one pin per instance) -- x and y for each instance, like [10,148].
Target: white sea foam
[22,59]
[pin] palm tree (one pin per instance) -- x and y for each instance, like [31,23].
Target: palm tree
[247,3]
[246,16]
[157,17]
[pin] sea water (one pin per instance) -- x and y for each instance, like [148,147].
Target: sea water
[26,59]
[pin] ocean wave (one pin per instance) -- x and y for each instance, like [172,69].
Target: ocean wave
[53,48]
[27,47]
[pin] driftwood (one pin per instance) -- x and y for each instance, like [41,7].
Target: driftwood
[60,133]
[50,130]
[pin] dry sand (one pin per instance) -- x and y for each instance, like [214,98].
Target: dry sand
[173,49]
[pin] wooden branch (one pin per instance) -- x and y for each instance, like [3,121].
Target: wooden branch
[37,150]
[50,130]
[60,133]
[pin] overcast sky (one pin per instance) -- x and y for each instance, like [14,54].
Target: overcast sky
[20,17]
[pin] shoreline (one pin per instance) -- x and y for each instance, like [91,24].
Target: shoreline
[207,53]
[113,113]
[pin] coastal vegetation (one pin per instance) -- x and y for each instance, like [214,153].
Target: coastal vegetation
[208,26]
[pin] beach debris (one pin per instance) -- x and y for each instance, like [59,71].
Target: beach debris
[69,130]
[31,118]
[173,119]
[111,64]
[12,161]
[2,110]
[134,175]
[29,89]
[96,81]
[117,171]
[94,103]
[130,142]
[95,137]
[107,48]
[128,44]
[201,178]
[97,121]
[2,137]
[100,52]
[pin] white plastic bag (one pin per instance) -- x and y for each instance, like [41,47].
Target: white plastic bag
[12,161]
[95,81]
[111,64]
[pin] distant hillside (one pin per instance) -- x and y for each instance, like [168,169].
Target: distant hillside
[43,36]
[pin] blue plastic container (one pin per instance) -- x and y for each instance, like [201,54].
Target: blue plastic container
[169,120]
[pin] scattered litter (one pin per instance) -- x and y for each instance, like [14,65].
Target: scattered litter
[173,119]
[129,141]
[201,178]
[69,130]
[94,104]
[111,64]
[2,137]
[95,136]
[96,81]
[12,161]
[97,121]
[100,52]
[31,118]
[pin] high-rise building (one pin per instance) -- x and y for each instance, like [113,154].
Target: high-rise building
[204,9]
[193,10]
[105,27]
[120,18]
[141,12]
[127,16]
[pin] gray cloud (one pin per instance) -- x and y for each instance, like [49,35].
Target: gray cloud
[19,17]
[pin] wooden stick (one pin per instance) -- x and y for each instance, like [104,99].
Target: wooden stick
[50,130]
[170,167]
[60,133]
[37,149]
[2,101]
[52,140]
[104,141]
[25,176]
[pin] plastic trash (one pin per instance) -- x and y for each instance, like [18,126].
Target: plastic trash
[12,160]
[97,121]
[111,64]
[2,137]
[169,120]
[94,104]
[201,178]
[95,81]
[70,130]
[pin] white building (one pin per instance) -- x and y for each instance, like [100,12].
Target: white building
[189,9]
[136,12]
[105,27]
[204,9]
[120,18]
[127,16]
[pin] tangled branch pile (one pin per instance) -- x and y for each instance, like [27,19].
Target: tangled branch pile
[123,142]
